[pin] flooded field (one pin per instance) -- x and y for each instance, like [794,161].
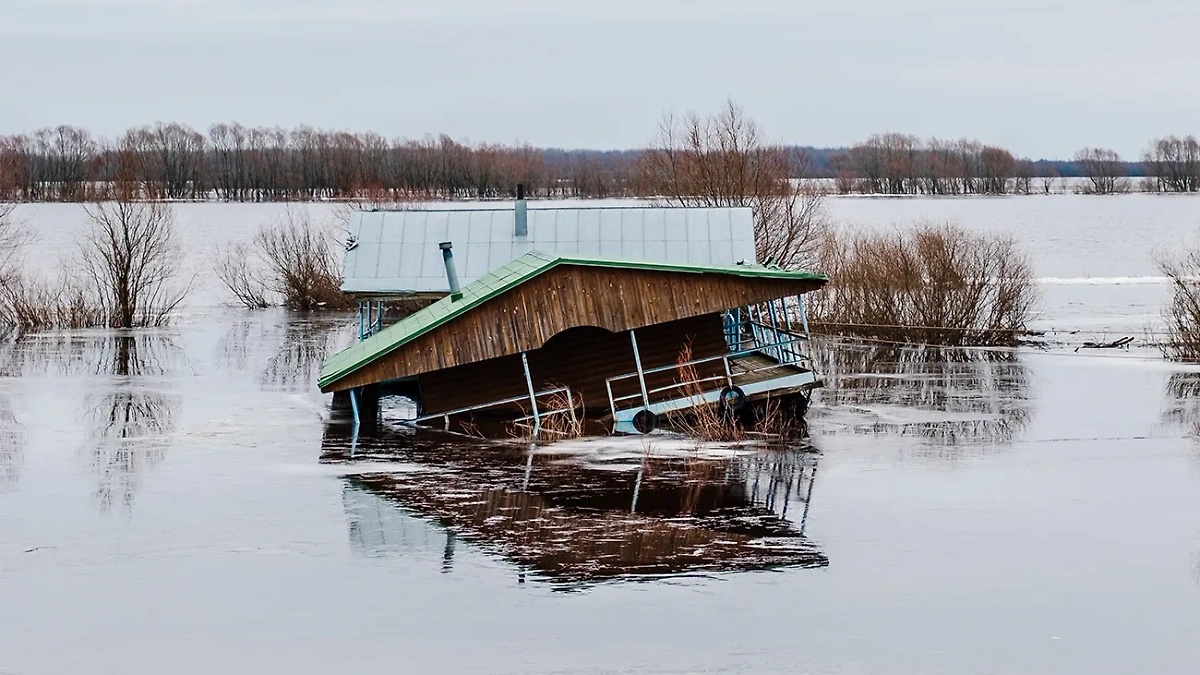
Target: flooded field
[178,501]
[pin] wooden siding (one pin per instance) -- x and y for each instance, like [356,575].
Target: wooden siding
[568,296]
[580,358]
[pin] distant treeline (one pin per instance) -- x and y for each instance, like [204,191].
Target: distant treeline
[232,162]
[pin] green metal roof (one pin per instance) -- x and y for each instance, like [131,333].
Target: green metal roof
[504,279]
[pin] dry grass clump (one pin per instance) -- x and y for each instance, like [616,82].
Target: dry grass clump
[703,421]
[560,415]
[776,417]
[30,304]
[781,419]
[564,420]
[929,284]
[294,262]
[1182,313]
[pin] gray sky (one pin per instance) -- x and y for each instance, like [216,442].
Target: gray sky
[1040,77]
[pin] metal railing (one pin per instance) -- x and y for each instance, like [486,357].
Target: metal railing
[728,378]
[767,327]
[370,318]
[537,416]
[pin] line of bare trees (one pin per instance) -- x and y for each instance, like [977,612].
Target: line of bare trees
[903,164]
[1173,164]
[232,162]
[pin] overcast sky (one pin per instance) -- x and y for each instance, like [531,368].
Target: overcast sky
[1041,77]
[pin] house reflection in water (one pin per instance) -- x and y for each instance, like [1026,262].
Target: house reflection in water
[590,512]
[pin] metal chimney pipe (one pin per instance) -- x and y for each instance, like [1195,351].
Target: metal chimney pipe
[522,213]
[451,273]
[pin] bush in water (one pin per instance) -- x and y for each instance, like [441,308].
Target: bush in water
[927,284]
[293,262]
[1182,313]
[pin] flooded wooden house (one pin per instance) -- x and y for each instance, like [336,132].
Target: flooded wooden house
[623,341]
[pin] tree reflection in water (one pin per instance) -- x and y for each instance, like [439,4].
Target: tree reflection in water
[946,396]
[1182,410]
[12,446]
[579,516]
[1183,402]
[131,420]
[285,350]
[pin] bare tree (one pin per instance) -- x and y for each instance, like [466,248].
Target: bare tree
[1173,163]
[12,236]
[64,159]
[1023,174]
[1047,176]
[130,258]
[724,161]
[1105,171]
[996,165]
[170,159]
[235,267]
[294,262]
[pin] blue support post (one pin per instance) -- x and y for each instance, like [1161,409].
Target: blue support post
[803,314]
[354,406]
[637,359]
[537,418]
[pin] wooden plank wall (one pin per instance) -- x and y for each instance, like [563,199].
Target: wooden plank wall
[580,358]
[568,296]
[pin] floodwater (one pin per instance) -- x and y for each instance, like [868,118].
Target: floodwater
[177,501]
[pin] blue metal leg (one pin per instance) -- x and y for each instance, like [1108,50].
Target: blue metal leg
[803,314]
[537,418]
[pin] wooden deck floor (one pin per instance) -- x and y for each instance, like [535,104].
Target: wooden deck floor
[758,367]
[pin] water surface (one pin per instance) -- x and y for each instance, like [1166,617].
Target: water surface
[177,501]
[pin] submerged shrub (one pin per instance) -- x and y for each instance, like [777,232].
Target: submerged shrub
[294,262]
[123,274]
[928,284]
[130,259]
[1182,313]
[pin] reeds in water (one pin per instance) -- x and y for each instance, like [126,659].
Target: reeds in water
[702,421]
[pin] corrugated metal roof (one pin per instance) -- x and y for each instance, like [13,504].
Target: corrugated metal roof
[397,251]
[503,279]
